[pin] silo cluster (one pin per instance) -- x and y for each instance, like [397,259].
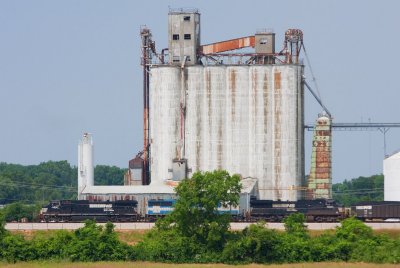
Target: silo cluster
[246,117]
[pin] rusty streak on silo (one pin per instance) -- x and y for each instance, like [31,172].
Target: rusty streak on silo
[240,115]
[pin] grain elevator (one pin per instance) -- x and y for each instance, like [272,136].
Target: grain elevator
[219,106]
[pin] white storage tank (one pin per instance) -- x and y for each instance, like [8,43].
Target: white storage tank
[391,172]
[245,119]
[85,164]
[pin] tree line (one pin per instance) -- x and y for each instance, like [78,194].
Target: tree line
[58,180]
[359,189]
[50,180]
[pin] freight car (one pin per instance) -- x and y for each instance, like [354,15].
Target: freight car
[80,210]
[377,211]
[319,210]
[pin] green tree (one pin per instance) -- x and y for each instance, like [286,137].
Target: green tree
[3,231]
[95,243]
[195,231]
[359,189]
[196,211]
[294,224]
[49,181]
[254,244]
[353,230]
[17,211]
[106,175]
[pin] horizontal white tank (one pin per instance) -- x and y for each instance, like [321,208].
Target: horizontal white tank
[391,172]
[245,119]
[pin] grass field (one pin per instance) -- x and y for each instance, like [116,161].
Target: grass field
[160,265]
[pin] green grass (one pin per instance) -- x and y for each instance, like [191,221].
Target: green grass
[162,265]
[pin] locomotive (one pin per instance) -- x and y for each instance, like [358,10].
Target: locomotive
[318,210]
[80,210]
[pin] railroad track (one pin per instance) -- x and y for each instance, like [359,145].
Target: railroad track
[149,225]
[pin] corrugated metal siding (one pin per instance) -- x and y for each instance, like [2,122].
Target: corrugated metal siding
[245,119]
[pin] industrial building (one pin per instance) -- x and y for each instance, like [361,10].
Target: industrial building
[236,105]
[391,172]
[209,108]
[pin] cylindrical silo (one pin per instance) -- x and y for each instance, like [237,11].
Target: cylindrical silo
[85,163]
[165,120]
[391,172]
[244,119]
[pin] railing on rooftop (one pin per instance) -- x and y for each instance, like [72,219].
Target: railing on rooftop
[183,10]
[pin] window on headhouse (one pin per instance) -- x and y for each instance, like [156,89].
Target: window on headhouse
[187,37]
[176,59]
[263,41]
[186,18]
[175,37]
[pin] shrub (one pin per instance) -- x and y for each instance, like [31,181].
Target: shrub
[94,243]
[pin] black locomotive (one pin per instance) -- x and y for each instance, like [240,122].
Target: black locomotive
[80,210]
[319,210]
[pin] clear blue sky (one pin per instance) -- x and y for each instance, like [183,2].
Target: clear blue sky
[67,67]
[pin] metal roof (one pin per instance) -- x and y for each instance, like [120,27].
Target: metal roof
[129,189]
[248,185]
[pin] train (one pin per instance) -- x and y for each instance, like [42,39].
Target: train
[127,211]
[318,210]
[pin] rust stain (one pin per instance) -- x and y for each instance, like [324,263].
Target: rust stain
[265,103]
[265,98]
[208,88]
[254,100]
[277,80]
[177,132]
[242,42]
[198,132]
[278,134]
[220,151]
[219,147]
[232,81]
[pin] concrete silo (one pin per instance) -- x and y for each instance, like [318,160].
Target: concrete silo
[85,164]
[212,109]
